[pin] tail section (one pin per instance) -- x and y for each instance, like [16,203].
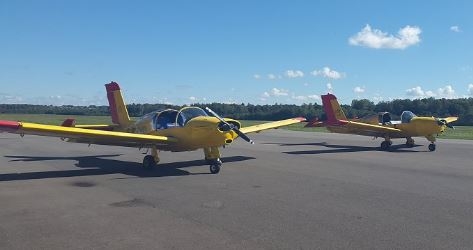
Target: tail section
[332,109]
[117,105]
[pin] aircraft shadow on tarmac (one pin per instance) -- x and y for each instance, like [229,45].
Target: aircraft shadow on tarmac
[97,165]
[395,148]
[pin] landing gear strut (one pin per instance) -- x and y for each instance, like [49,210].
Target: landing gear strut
[212,157]
[151,161]
[410,142]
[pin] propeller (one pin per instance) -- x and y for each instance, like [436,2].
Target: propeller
[229,126]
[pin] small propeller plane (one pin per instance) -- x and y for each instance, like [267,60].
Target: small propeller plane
[187,129]
[382,125]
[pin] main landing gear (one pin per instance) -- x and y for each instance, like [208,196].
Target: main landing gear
[431,138]
[212,157]
[151,161]
[386,144]
[410,142]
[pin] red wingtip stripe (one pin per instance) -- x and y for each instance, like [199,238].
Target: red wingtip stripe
[112,86]
[9,125]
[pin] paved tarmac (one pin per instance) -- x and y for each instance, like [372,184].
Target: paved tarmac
[291,190]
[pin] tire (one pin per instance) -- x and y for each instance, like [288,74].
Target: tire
[214,168]
[385,145]
[432,147]
[148,162]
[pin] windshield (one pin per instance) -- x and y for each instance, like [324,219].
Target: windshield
[187,113]
[407,116]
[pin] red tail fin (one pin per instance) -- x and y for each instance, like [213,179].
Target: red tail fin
[332,109]
[117,104]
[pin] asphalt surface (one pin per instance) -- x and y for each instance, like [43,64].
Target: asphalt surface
[291,190]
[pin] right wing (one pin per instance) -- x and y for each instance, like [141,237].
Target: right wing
[270,125]
[85,135]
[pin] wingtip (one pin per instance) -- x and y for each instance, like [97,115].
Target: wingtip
[9,125]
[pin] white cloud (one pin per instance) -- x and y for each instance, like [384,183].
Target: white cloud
[328,73]
[359,90]
[10,99]
[329,88]
[305,98]
[192,98]
[455,28]
[417,92]
[294,73]
[429,93]
[470,89]
[446,92]
[377,39]
[274,92]
[256,76]
[273,77]
[314,97]
[299,97]
[279,92]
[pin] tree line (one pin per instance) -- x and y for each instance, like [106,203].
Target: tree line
[462,107]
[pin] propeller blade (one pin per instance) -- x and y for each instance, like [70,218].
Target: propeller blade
[215,114]
[232,127]
[243,136]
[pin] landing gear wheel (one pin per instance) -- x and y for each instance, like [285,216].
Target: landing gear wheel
[149,162]
[215,166]
[432,147]
[385,145]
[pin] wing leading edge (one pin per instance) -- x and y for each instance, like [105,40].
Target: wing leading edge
[92,135]
[270,125]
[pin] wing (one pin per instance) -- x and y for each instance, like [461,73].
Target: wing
[370,129]
[270,125]
[84,135]
[449,119]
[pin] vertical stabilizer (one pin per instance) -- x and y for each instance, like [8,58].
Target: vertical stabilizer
[117,104]
[332,108]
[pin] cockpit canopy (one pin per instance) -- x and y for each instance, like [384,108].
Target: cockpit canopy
[407,116]
[173,118]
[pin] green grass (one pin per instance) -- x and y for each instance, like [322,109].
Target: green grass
[460,132]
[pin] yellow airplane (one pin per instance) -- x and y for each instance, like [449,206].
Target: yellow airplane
[382,125]
[187,129]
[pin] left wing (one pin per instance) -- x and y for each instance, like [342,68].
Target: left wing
[90,135]
[270,125]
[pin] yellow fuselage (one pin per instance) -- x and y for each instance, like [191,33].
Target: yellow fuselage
[200,132]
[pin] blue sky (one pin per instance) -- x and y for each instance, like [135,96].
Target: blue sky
[259,52]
